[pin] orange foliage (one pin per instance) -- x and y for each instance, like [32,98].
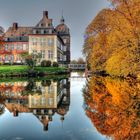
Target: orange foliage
[114,37]
[114,107]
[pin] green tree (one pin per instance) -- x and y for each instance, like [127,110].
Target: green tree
[31,59]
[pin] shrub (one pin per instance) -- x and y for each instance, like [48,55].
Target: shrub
[1,63]
[45,63]
[55,64]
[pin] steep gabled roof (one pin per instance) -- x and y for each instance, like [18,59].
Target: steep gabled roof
[45,22]
[19,31]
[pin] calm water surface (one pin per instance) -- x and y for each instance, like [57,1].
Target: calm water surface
[47,109]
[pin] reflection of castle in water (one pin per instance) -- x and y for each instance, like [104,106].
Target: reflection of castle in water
[43,98]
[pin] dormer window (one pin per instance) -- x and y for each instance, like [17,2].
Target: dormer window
[42,31]
[45,32]
[37,32]
[34,31]
[50,31]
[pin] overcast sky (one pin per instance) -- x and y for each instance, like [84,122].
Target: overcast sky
[77,13]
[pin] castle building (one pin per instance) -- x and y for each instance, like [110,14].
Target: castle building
[52,43]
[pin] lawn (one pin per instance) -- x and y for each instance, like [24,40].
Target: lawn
[12,69]
[16,69]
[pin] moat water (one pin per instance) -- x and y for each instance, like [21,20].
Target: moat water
[63,108]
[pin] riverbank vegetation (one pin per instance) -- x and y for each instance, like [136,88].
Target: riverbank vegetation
[13,70]
[24,79]
[112,39]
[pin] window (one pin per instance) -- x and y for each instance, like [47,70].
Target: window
[64,58]
[6,47]
[45,32]
[50,89]
[50,101]
[50,31]
[43,100]
[12,46]
[43,42]
[50,41]
[34,31]
[65,41]
[34,41]
[37,32]
[12,57]
[18,47]
[42,31]
[24,47]
[43,53]
[64,48]
[7,39]
[61,47]
[34,101]
[50,54]
[6,58]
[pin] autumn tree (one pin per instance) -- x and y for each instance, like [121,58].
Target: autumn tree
[80,60]
[112,40]
[31,59]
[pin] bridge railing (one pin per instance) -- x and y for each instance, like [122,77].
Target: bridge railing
[77,66]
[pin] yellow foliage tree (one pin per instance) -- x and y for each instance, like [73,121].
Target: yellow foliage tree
[113,39]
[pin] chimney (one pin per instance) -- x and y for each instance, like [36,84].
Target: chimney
[45,14]
[15,26]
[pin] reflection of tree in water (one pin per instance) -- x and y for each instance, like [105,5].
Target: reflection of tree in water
[80,73]
[113,106]
[45,83]
[31,88]
[2,107]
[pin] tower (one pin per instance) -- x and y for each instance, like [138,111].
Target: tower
[64,32]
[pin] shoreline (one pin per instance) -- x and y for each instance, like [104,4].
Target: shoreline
[24,71]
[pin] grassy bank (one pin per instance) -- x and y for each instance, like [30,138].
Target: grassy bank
[12,69]
[23,70]
[26,79]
